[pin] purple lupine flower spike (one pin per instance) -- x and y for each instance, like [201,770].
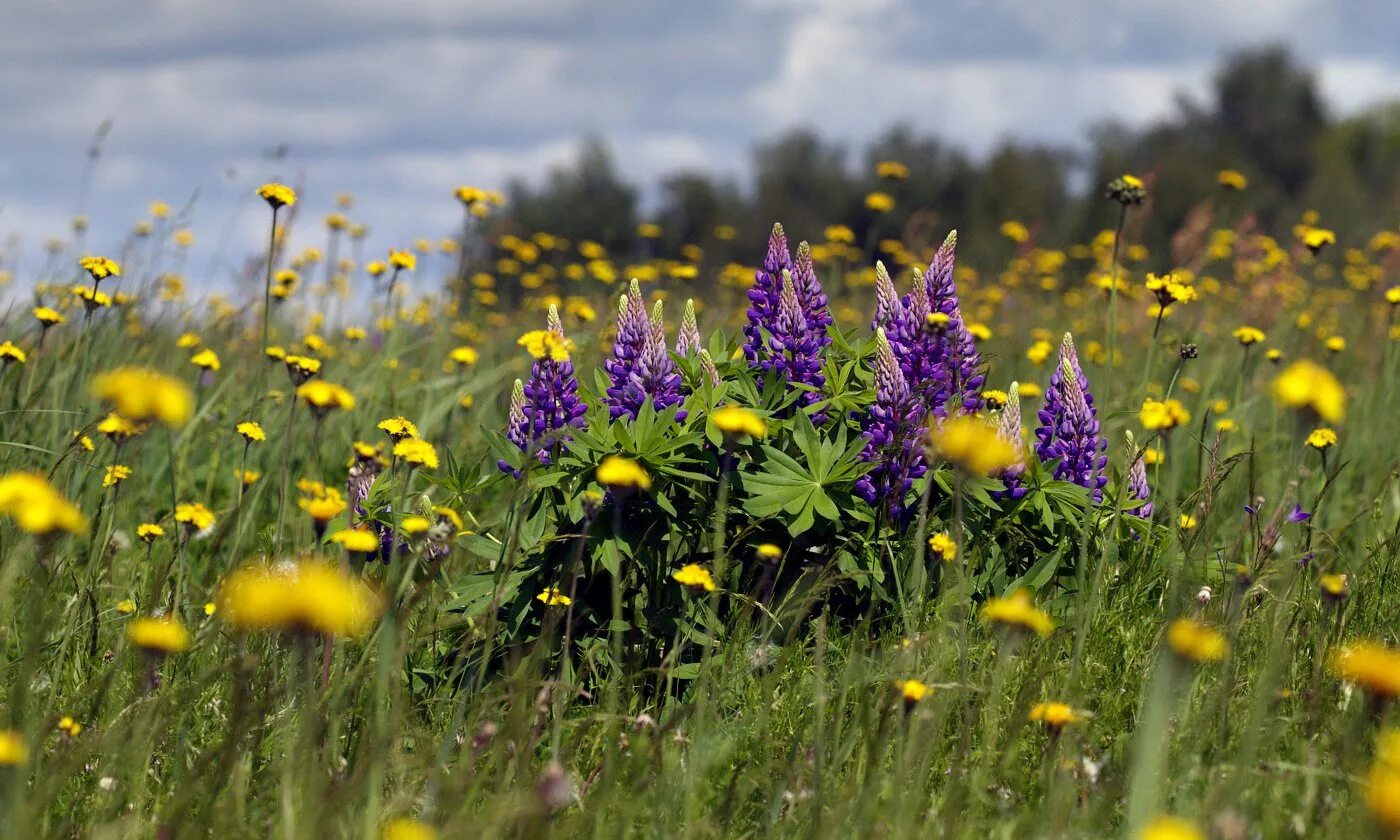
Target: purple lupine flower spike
[1009,428]
[793,350]
[660,379]
[688,337]
[551,404]
[888,308]
[892,442]
[763,297]
[810,294]
[961,378]
[517,425]
[707,365]
[625,393]
[1138,489]
[1069,427]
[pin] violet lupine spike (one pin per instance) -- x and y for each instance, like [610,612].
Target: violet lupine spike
[794,352]
[551,402]
[660,379]
[688,337]
[892,443]
[625,393]
[917,347]
[1010,430]
[961,364]
[810,294]
[888,308]
[1138,489]
[517,425]
[707,366]
[763,297]
[1069,428]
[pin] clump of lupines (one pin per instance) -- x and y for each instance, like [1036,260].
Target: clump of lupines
[1069,426]
[640,367]
[1138,489]
[892,440]
[1009,428]
[788,317]
[548,404]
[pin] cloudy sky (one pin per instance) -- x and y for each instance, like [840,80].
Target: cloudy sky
[398,101]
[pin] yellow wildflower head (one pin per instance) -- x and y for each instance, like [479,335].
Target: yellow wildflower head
[694,577]
[974,446]
[194,516]
[1018,612]
[552,597]
[1195,641]
[943,547]
[160,634]
[621,473]
[417,452]
[36,507]
[251,431]
[308,597]
[277,195]
[115,474]
[739,422]
[398,428]
[1322,438]
[142,395]
[1308,385]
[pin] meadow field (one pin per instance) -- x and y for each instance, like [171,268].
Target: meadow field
[516,535]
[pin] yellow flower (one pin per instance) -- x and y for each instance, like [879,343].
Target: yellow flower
[418,452]
[768,552]
[115,474]
[187,340]
[1322,438]
[1371,665]
[140,395]
[162,634]
[405,828]
[375,268]
[1195,641]
[210,607]
[892,169]
[1187,521]
[355,333]
[356,540]
[13,751]
[247,477]
[402,260]
[913,691]
[126,606]
[47,316]
[301,368]
[100,267]
[463,355]
[277,195]
[118,428]
[251,431]
[695,578]
[619,472]
[323,396]
[398,428]
[1335,344]
[840,234]
[542,343]
[994,398]
[415,525]
[736,421]
[1231,179]
[206,359]
[1163,415]
[149,532]
[1315,238]
[1306,384]
[1333,585]
[309,596]
[1055,716]
[1015,231]
[1170,828]
[194,515]
[943,547]
[1039,352]
[879,202]
[69,727]
[36,507]
[649,230]
[552,597]
[10,353]
[324,505]
[974,445]
[1249,335]
[1016,610]
[1030,391]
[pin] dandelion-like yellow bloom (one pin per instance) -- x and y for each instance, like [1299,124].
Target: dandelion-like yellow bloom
[356,540]
[141,395]
[1370,665]
[115,474]
[1170,828]
[1017,611]
[162,634]
[149,532]
[891,169]
[545,343]
[913,692]
[1163,414]
[736,421]
[1187,521]
[251,431]
[994,398]
[194,515]
[879,202]
[943,547]
[118,428]
[405,828]
[694,577]
[552,597]
[36,507]
[1055,716]
[1335,343]
[323,396]
[1333,585]
[1231,179]
[100,267]
[323,506]
[463,355]
[974,446]
[14,752]
[1248,335]
[398,428]
[768,552]
[1321,438]
[1195,641]
[206,359]
[11,353]
[126,606]
[277,195]
[623,473]
[1015,231]
[403,260]
[417,452]
[47,316]
[309,597]
[1315,238]
[1306,384]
